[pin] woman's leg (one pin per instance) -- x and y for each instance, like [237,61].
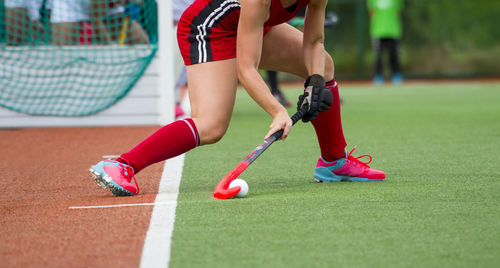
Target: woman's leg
[212,91]
[289,58]
[66,33]
[333,165]
[17,25]
[394,60]
[137,34]
[378,67]
[282,51]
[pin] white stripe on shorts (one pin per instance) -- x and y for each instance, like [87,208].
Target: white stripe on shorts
[209,21]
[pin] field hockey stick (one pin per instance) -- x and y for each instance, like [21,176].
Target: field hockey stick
[222,190]
[124,30]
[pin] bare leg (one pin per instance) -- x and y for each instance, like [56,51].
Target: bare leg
[213,87]
[98,10]
[66,33]
[17,25]
[136,34]
[288,58]
[212,91]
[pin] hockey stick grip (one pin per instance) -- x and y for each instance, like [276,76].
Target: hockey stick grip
[298,115]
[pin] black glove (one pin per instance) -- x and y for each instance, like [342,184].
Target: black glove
[316,98]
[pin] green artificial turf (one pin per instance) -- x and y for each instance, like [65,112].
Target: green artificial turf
[439,207]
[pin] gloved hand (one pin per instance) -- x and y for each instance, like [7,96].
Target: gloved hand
[316,98]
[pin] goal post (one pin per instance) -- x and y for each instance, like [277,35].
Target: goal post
[166,48]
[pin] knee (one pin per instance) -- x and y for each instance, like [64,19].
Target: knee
[211,133]
[212,136]
[329,67]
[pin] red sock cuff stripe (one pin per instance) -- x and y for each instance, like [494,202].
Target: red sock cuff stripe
[192,126]
[331,84]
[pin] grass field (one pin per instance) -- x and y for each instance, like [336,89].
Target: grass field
[439,207]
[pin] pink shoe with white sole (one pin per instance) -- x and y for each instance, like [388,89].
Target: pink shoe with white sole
[349,168]
[115,176]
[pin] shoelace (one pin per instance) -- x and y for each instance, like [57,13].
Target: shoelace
[128,171]
[356,159]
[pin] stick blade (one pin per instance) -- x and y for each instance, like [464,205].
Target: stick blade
[222,190]
[226,193]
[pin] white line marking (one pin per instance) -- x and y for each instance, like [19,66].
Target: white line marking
[156,251]
[108,156]
[122,205]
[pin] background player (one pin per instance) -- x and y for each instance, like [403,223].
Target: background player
[386,30]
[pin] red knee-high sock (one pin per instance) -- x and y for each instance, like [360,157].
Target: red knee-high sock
[169,141]
[328,126]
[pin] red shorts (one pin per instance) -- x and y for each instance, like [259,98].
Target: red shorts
[208,32]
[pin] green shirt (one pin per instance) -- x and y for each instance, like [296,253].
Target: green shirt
[386,18]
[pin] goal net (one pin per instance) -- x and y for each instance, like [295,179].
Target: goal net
[73,57]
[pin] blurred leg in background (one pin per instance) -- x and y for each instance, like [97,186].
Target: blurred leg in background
[182,104]
[392,44]
[180,94]
[272,78]
[22,21]
[378,77]
[79,22]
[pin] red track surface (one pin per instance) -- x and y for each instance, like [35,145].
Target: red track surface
[45,171]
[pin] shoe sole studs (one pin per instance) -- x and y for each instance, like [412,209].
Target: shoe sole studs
[105,182]
[98,178]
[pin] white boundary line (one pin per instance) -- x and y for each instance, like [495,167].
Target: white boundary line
[156,251]
[123,205]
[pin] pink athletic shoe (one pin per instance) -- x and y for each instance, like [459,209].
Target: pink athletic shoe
[349,168]
[115,176]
